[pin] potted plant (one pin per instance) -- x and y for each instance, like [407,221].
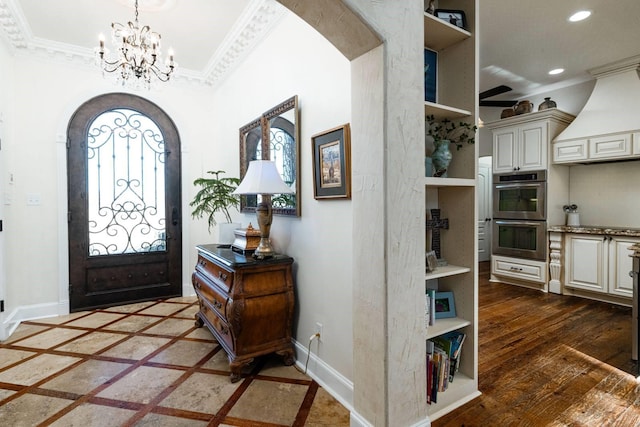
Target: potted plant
[444,133]
[216,197]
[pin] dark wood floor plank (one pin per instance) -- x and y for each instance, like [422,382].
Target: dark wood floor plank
[550,360]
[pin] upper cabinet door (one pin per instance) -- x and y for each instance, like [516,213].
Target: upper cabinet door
[532,147]
[504,149]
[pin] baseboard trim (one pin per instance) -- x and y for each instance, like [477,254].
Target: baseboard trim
[31,312]
[187,290]
[336,384]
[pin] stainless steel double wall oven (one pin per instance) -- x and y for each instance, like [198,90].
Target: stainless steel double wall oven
[519,214]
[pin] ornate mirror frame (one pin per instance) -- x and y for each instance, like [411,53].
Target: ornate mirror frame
[274,136]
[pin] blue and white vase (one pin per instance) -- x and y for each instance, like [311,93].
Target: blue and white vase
[441,158]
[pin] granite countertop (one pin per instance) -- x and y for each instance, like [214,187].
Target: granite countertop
[590,229]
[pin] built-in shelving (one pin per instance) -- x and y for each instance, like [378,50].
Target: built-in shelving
[455,196]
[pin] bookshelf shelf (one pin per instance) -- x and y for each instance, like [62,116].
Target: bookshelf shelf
[460,391]
[441,111]
[449,182]
[442,326]
[439,34]
[446,271]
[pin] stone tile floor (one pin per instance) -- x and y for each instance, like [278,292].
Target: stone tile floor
[147,364]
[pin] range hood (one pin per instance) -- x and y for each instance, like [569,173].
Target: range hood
[614,104]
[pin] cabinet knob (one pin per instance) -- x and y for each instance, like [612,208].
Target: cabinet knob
[222,275]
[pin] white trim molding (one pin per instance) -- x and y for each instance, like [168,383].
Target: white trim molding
[258,19]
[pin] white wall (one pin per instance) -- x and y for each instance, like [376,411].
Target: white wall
[296,60]
[607,194]
[6,75]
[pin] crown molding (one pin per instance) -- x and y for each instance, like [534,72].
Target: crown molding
[258,19]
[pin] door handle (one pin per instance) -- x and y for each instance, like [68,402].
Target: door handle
[175,218]
[487,219]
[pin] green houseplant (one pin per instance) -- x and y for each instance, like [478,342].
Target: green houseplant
[444,133]
[215,196]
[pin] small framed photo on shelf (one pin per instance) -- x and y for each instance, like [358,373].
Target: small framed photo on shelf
[453,17]
[430,75]
[332,163]
[432,261]
[445,305]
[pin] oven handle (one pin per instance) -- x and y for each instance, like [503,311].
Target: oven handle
[521,185]
[527,223]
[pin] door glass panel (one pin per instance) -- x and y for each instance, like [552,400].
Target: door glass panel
[518,200]
[517,237]
[125,184]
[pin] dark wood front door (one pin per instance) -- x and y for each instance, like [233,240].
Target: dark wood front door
[123,161]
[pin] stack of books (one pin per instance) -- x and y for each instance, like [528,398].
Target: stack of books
[443,361]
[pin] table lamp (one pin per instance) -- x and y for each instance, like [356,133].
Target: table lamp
[263,178]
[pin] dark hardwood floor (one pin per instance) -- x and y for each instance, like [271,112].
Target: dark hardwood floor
[550,360]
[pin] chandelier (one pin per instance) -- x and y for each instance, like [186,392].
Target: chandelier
[138,58]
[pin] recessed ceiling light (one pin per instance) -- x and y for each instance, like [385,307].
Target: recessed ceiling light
[556,71]
[580,15]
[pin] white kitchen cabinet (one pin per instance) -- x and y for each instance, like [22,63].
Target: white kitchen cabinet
[570,151]
[611,147]
[586,258]
[599,263]
[521,143]
[519,269]
[520,148]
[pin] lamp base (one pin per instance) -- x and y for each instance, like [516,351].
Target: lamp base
[265,216]
[264,249]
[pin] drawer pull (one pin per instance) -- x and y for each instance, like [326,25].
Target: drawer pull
[224,330]
[217,304]
[222,275]
[516,269]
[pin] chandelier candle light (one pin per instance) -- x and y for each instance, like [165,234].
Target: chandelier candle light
[138,55]
[263,178]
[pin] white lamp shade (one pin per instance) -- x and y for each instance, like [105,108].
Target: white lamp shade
[262,177]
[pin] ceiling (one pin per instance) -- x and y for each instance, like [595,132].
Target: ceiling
[520,41]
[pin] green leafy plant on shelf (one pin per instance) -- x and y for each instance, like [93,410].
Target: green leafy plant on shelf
[457,133]
[216,196]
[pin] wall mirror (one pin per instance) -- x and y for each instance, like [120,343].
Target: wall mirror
[274,136]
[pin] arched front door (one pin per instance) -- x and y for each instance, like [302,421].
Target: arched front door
[123,160]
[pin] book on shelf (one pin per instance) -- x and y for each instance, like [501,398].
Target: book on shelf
[430,307]
[443,361]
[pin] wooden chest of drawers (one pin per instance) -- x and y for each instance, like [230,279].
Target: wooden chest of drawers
[246,303]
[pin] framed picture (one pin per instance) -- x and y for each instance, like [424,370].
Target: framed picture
[453,17]
[430,75]
[332,163]
[432,261]
[445,306]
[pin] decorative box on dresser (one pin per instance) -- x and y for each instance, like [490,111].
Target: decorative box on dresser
[523,143]
[247,304]
[455,196]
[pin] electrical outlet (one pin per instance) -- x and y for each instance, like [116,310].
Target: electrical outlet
[319,330]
